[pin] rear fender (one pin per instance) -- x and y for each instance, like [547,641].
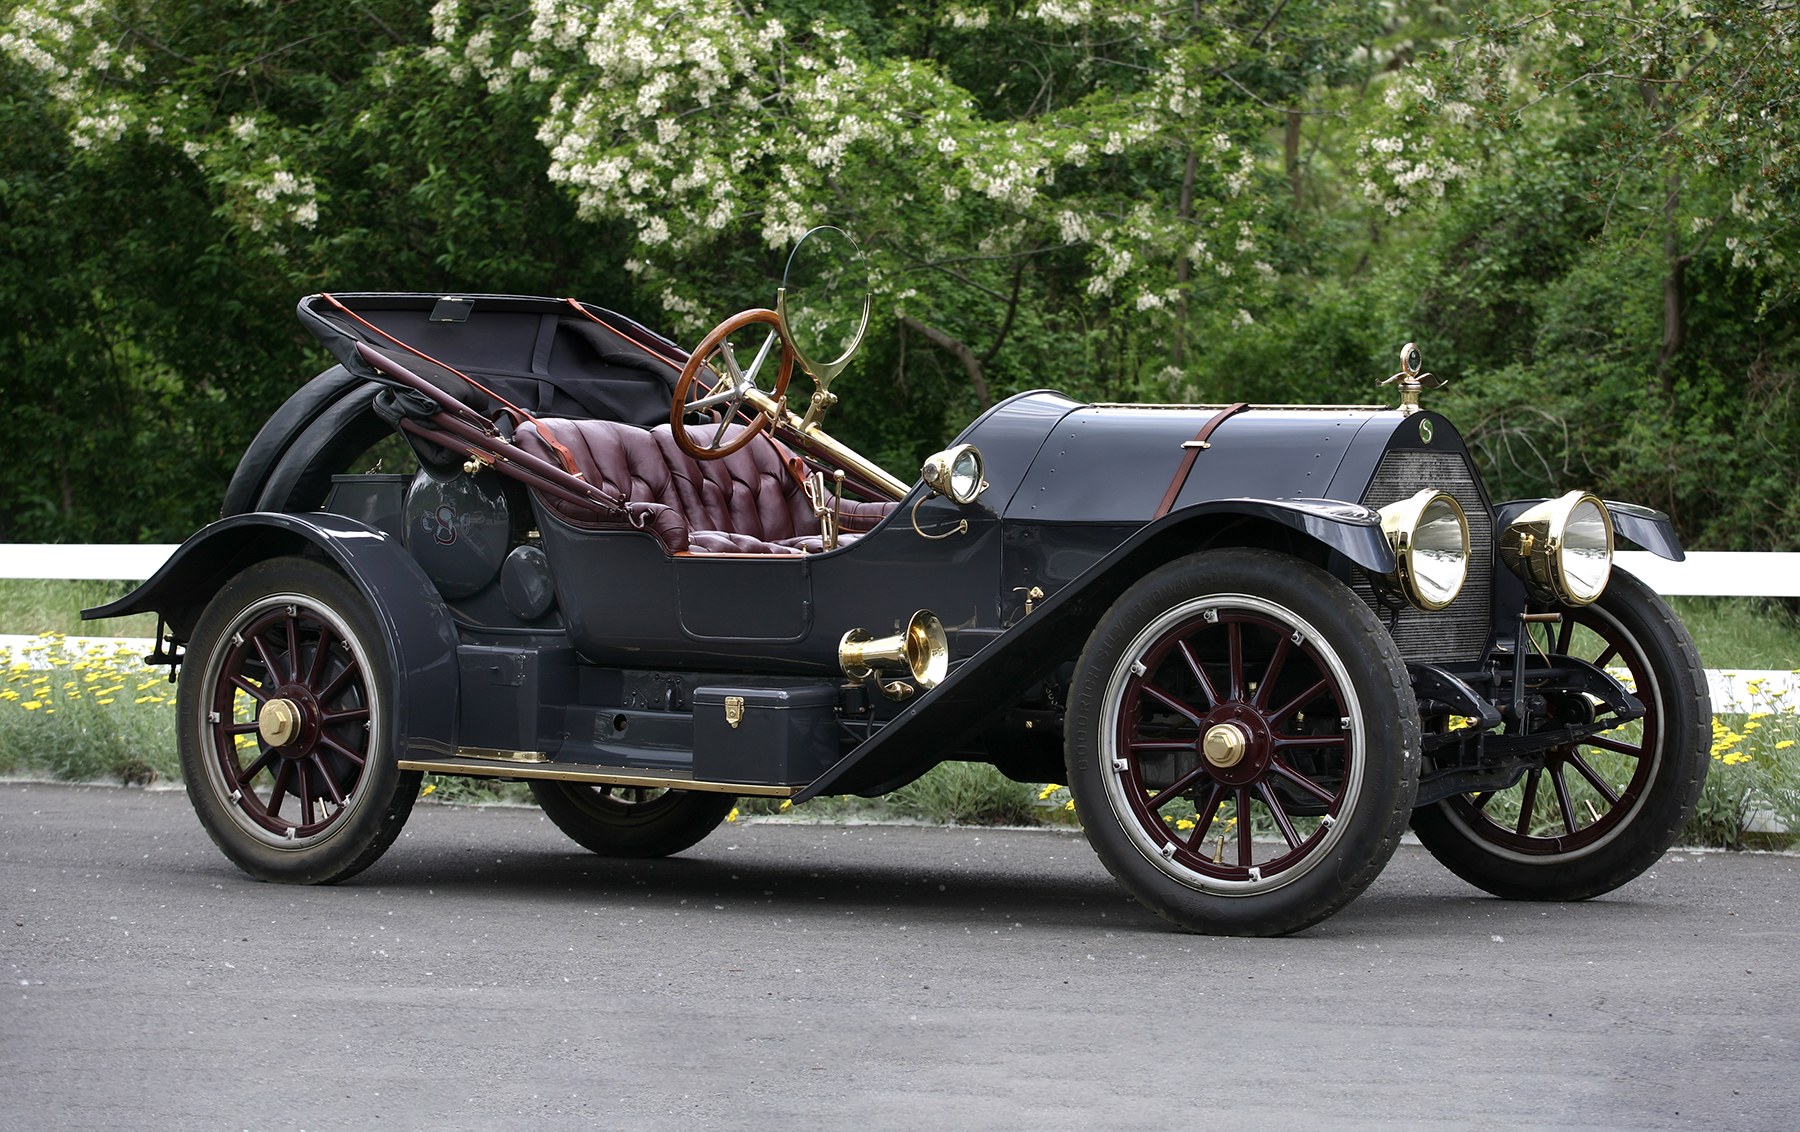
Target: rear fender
[1019,659]
[418,635]
[271,449]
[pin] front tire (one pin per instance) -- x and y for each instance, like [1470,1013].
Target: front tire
[1243,743]
[283,708]
[631,821]
[1597,813]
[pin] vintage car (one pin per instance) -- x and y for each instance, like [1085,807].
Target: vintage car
[1256,642]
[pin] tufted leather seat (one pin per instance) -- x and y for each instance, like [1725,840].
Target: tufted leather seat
[746,503]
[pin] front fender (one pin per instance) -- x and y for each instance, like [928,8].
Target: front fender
[1645,526]
[418,635]
[1348,528]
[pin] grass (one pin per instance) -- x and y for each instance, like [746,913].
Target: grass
[31,606]
[1742,632]
[98,713]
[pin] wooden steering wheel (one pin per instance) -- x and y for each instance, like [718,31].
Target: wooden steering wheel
[714,387]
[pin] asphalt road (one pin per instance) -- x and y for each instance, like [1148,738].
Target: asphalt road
[488,974]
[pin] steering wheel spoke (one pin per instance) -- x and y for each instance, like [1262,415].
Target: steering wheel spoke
[714,389]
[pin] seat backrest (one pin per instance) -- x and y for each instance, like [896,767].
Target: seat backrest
[751,492]
[618,458]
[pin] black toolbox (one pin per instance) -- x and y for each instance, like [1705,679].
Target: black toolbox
[783,736]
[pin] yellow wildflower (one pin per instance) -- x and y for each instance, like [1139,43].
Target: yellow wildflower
[31,705]
[1784,744]
[1048,790]
[733,815]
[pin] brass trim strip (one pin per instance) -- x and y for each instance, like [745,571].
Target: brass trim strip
[503,756]
[812,436]
[599,775]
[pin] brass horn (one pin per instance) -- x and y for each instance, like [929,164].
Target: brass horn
[921,647]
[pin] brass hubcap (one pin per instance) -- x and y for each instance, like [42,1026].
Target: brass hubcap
[1224,744]
[278,722]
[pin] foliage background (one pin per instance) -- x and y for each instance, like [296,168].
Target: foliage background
[1583,212]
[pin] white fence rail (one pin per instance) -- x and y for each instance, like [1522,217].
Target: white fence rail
[1703,574]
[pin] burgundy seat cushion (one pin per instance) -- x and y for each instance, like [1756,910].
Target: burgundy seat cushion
[746,503]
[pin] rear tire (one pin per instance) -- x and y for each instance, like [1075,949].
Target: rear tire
[283,709]
[631,821]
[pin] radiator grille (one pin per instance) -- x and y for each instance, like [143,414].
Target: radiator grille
[1459,632]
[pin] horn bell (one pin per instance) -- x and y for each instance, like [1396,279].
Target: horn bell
[921,648]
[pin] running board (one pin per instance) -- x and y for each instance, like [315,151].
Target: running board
[598,775]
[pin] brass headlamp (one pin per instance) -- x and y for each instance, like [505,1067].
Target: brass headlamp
[1562,548]
[1430,537]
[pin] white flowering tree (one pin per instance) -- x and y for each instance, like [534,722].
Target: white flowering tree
[1573,205]
[1046,170]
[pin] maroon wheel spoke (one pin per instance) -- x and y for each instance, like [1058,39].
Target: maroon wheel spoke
[1272,672]
[1162,745]
[1564,633]
[267,658]
[1199,671]
[328,718]
[1614,745]
[1177,788]
[1285,741]
[1599,784]
[1290,774]
[1611,654]
[1205,813]
[303,789]
[1244,846]
[1234,637]
[330,691]
[1481,800]
[237,728]
[1300,701]
[338,748]
[1529,802]
[321,649]
[261,764]
[1282,821]
[279,789]
[1563,802]
[1169,702]
[293,646]
[325,777]
[243,684]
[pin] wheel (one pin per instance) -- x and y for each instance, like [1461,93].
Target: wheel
[1597,813]
[282,709]
[1243,744]
[715,386]
[631,821]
